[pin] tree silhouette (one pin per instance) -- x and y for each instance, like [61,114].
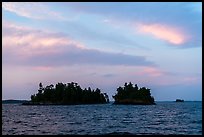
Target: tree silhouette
[70,93]
[133,95]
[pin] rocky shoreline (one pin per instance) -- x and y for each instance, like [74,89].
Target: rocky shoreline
[134,102]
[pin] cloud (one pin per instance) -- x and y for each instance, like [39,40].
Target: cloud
[42,68]
[71,55]
[147,12]
[179,23]
[21,43]
[164,32]
[185,16]
[191,79]
[38,48]
[102,33]
[151,71]
[31,10]
[109,75]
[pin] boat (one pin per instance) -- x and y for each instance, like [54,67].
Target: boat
[179,100]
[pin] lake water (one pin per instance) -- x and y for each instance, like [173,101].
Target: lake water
[164,118]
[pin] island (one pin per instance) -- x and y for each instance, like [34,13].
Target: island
[130,94]
[67,94]
[179,100]
[13,101]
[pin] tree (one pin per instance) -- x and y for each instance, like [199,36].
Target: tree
[136,87]
[106,97]
[70,93]
[40,88]
[131,95]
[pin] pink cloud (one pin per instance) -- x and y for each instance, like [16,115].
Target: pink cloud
[31,42]
[164,32]
[150,71]
[43,68]
[28,10]
[38,47]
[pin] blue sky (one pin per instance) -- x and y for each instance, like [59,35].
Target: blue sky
[154,44]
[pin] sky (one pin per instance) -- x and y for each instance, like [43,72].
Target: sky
[157,45]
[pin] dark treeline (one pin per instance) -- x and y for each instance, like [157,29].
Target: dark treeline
[130,94]
[70,93]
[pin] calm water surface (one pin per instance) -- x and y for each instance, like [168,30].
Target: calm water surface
[164,118]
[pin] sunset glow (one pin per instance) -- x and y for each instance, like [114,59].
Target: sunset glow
[163,32]
[104,45]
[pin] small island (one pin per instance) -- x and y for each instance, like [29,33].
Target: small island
[179,100]
[130,94]
[67,94]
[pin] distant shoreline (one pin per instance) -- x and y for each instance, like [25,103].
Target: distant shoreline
[15,101]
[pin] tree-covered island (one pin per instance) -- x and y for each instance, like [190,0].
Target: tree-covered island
[130,94]
[67,94]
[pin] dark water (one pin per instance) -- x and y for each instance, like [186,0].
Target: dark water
[163,118]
